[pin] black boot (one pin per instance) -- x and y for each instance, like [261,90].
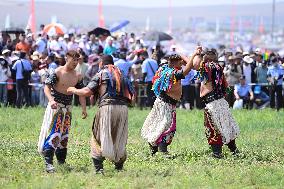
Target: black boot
[61,155]
[154,149]
[217,151]
[233,148]
[99,167]
[48,157]
[163,147]
[118,166]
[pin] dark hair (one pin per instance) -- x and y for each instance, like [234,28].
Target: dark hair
[73,54]
[107,59]
[22,54]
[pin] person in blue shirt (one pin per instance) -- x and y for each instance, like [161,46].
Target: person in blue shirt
[109,48]
[275,78]
[22,84]
[243,91]
[124,65]
[149,68]
[188,91]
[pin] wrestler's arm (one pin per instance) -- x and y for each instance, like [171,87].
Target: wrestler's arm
[49,82]
[191,62]
[82,99]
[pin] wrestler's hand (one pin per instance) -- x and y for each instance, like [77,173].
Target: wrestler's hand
[198,50]
[71,90]
[53,104]
[84,114]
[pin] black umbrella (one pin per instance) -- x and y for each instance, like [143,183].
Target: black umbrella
[157,36]
[13,31]
[100,31]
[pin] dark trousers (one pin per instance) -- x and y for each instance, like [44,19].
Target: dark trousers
[151,95]
[188,95]
[278,91]
[22,87]
[247,103]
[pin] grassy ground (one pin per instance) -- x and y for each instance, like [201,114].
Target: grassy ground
[260,165]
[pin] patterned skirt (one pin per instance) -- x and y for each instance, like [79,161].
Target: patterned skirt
[221,128]
[55,128]
[110,132]
[160,124]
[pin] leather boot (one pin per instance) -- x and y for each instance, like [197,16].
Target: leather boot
[48,157]
[61,155]
[118,166]
[217,151]
[99,167]
[233,147]
[154,149]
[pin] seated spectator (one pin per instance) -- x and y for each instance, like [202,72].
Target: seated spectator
[261,99]
[243,91]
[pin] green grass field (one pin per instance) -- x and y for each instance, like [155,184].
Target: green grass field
[260,164]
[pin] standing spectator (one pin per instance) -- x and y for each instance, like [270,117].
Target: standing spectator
[22,84]
[6,56]
[149,68]
[50,61]
[54,45]
[5,74]
[275,78]
[188,91]
[232,72]
[109,48]
[247,69]
[243,91]
[23,45]
[123,64]
[261,76]
[82,69]
[40,44]
[43,72]
[35,81]
[84,45]
[73,44]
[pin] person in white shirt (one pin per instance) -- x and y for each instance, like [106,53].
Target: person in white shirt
[73,44]
[84,45]
[54,45]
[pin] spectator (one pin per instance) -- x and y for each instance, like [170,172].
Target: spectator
[22,84]
[232,72]
[261,75]
[188,91]
[5,74]
[243,91]
[109,48]
[247,69]
[6,56]
[123,64]
[50,61]
[73,44]
[84,45]
[35,81]
[23,45]
[54,45]
[275,78]
[149,68]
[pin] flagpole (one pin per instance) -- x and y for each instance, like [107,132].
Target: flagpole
[232,24]
[170,16]
[101,16]
[273,20]
[33,22]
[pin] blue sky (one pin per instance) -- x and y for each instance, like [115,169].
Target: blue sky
[162,3]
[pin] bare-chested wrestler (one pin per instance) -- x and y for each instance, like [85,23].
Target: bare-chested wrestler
[221,128]
[57,119]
